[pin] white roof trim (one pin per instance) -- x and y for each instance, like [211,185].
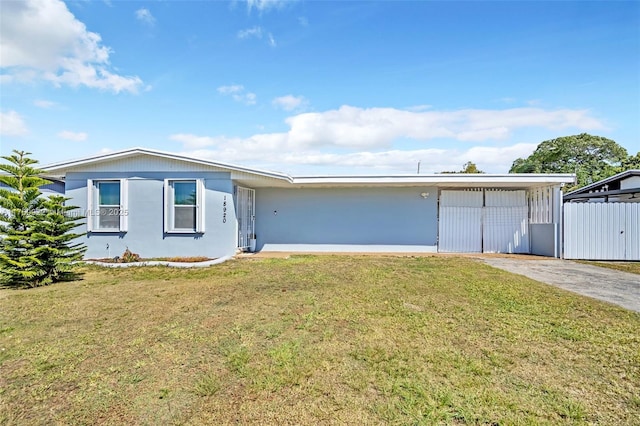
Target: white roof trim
[442,179]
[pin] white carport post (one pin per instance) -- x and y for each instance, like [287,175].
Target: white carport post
[557,220]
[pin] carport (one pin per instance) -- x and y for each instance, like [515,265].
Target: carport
[520,216]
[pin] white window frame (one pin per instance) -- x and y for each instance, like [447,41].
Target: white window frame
[169,207]
[93,206]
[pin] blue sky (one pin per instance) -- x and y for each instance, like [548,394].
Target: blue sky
[317,87]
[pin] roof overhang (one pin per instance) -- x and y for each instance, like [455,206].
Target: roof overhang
[632,192]
[445,180]
[595,188]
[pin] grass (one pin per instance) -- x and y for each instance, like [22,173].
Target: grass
[315,340]
[633,267]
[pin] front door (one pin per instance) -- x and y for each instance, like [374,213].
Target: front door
[245,201]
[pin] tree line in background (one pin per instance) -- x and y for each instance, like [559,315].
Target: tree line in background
[36,238]
[591,158]
[468,167]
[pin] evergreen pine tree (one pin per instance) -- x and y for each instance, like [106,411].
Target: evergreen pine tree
[33,236]
[52,240]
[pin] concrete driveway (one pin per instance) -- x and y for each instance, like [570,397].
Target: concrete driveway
[620,288]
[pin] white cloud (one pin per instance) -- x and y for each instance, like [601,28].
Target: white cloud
[144,15]
[41,39]
[73,136]
[263,5]
[378,127]
[238,93]
[248,98]
[234,88]
[356,139]
[419,108]
[254,32]
[42,103]
[12,124]
[258,33]
[289,102]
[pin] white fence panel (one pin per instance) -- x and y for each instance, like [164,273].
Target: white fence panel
[466,225]
[632,231]
[460,229]
[460,224]
[505,223]
[602,231]
[505,229]
[449,198]
[497,198]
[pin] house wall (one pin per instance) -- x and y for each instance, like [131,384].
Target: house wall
[543,239]
[145,234]
[346,219]
[55,188]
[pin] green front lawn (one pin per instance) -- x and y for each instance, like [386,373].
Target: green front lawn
[315,339]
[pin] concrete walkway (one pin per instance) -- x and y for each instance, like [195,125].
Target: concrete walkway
[620,288]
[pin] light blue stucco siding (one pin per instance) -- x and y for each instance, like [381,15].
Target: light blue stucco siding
[346,219]
[145,234]
[53,188]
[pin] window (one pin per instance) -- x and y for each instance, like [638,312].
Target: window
[107,211]
[108,205]
[184,207]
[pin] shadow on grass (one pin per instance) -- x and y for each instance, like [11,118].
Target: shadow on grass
[63,278]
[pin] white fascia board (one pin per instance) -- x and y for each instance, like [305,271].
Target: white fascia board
[439,180]
[62,166]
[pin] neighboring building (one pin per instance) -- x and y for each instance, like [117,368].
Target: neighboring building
[164,205]
[602,220]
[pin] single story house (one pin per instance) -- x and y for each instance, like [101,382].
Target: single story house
[160,204]
[602,220]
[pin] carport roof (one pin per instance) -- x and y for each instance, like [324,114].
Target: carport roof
[447,180]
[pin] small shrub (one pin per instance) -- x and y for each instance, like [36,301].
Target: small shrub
[129,257]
